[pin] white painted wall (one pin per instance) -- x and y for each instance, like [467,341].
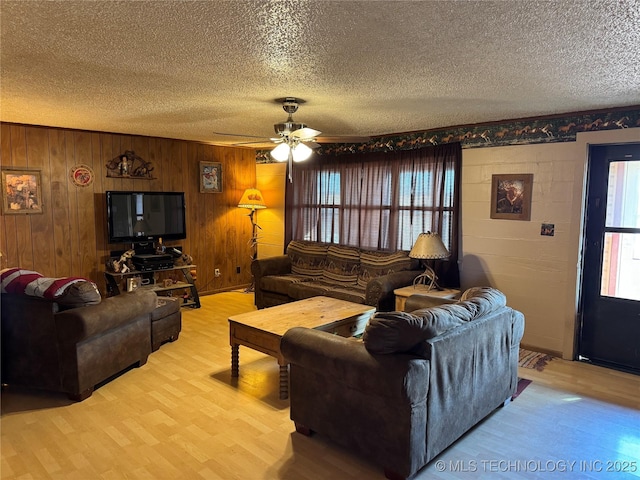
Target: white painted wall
[538,274]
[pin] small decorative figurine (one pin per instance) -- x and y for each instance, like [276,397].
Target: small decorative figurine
[124,166]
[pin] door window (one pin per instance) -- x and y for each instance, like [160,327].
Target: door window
[621,248]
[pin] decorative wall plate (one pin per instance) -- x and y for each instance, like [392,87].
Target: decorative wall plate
[82,175]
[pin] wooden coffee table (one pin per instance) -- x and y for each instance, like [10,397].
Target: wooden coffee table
[263,329]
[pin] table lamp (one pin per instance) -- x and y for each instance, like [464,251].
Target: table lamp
[428,246]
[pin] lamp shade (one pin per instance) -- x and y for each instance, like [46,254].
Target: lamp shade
[429,246]
[252,198]
[301,152]
[281,152]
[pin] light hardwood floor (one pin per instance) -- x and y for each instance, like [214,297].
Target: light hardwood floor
[182,416]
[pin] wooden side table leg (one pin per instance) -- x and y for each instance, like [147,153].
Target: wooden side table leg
[284,382]
[235,360]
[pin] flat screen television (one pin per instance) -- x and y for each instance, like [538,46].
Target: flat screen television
[137,217]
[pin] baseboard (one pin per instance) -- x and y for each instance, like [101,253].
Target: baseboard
[532,348]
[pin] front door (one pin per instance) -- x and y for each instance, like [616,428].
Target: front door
[610,302]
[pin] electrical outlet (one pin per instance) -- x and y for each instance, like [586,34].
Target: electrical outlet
[216,272]
[237,269]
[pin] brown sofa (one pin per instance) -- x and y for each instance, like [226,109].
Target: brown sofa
[415,384]
[311,269]
[75,341]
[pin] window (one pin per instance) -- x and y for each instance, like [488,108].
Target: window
[377,201]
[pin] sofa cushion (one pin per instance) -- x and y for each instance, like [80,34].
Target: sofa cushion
[485,299]
[343,265]
[375,264]
[307,258]
[392,332]
[315,288]
[66,291]
[352,293]
[280,283]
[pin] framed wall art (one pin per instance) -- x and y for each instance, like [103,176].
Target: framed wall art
[21,191]
[210,177]
[511,196]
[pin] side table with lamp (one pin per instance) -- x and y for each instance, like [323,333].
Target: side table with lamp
[428,246]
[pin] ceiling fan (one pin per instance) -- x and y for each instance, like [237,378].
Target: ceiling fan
[295,141]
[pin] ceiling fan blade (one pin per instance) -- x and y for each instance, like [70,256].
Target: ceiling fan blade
[343,139]
[260,142]
[305,132]
[277,140]
[310,144]
[238,135]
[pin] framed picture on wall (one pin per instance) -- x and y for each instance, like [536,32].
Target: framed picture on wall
[511,196]
[210,177]
[21,191]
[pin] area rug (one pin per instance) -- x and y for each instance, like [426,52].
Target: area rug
[522,384]
[535,360]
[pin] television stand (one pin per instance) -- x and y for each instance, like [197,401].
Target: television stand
[148,280]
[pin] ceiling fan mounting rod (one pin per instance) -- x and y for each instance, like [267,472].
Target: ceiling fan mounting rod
[290,105]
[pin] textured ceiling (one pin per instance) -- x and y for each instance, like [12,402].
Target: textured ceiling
[189,69]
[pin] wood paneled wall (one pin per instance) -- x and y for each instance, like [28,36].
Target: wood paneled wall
[70,237]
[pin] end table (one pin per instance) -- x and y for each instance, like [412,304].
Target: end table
[405,292]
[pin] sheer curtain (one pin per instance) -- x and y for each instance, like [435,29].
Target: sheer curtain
[380,201]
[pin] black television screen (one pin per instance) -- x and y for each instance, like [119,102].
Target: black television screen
[143,216]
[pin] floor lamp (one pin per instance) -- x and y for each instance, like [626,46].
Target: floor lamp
[253,200]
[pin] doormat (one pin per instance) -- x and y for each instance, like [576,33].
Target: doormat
[535,360]
[522,384]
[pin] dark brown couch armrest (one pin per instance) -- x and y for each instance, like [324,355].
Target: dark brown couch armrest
[379,291]
[77,324]
[279,265]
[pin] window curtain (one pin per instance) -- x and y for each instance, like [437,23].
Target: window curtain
[379,201]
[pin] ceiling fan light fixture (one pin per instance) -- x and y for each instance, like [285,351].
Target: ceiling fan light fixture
[301,152]
[281,152]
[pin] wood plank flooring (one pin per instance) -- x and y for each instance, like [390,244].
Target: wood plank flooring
[182,416]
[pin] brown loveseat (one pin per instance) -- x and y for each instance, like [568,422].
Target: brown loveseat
[75,340]
[310,269]
[415,384]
